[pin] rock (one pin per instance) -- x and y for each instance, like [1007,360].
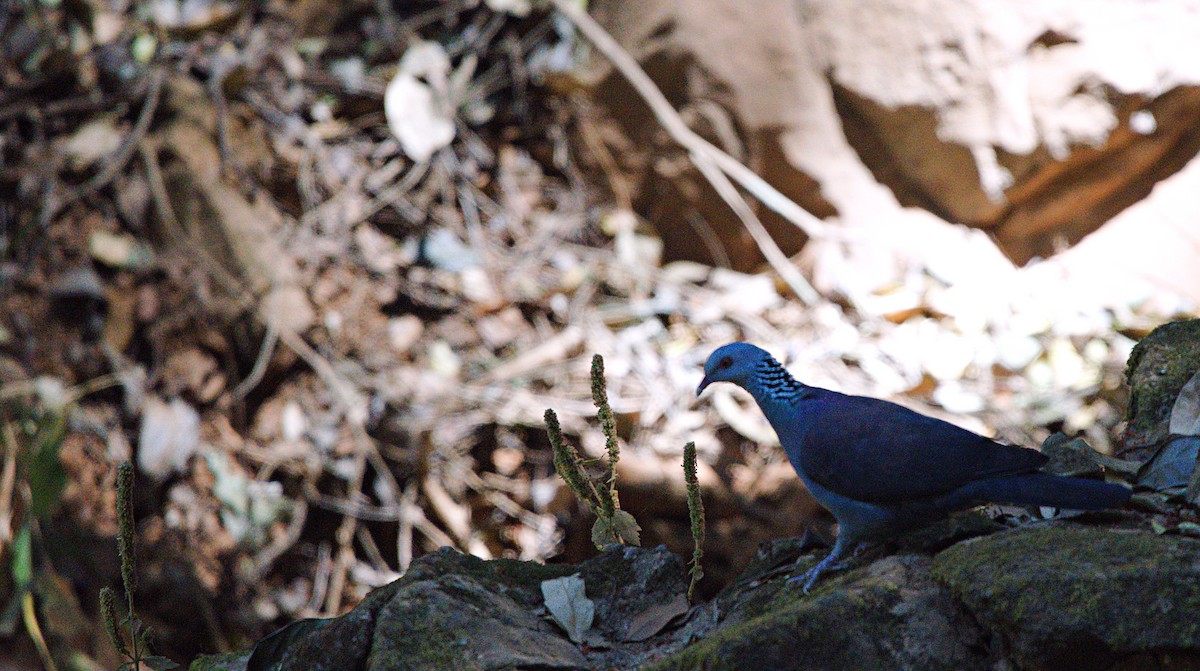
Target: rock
[902,123]
[1158,368]
[223,662]
[1054,595]
[1082,598]
[1073,458]
[455,611]
[888,615]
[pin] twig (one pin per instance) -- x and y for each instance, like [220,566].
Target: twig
[116,161]
[388,489]
[404,535]
[438,13]
[431,531]
[407,513]
[216,82]
[774,254]
[678,129]
[390,196]
[368,542]
[710,160]
[360,510]
[345,393]
[617,183]
[708,237]
[8,479]
[73,394]
[502,501]
[88,101]
[262,562]
[260,363]
[456,518]
[472,222]
[174,229]
[347,396]
[320,582]
[538,357]
[345,534]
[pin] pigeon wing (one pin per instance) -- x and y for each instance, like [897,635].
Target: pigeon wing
[872,450]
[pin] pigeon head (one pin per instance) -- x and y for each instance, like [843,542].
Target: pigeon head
[736,362]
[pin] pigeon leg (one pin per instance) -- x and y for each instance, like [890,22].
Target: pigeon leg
[832,562]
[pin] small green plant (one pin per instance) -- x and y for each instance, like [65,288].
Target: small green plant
[31,437]
[34,419]
[613,525]
[138,648]
[695,514]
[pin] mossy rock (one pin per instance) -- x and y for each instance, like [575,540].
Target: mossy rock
[455,611]
[1083,598]
[450,610]
[1159,366]
[888,615]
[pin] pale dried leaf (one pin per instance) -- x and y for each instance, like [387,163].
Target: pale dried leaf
[416,103]
[169,436]
[1185,414]
[120,250]
[1172,465]
[652,620]
[567,601]
[92,142]
[514,7]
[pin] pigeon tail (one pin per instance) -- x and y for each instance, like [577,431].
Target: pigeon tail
[1044,489]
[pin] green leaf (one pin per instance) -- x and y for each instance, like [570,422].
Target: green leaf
[626,528]
[22,561]
[622,528]
[603,534]
[159,663]
[43,470]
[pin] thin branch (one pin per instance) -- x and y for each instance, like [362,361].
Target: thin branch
[775,256]
[713,163]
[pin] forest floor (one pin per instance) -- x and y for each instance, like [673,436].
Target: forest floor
[326,327]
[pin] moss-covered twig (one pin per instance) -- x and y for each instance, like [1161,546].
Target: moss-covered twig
[608,424]
[569,465]
[125,529]
[695,514]
[613,525]
[138,648]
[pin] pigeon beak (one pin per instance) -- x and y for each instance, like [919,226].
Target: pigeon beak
[703,383]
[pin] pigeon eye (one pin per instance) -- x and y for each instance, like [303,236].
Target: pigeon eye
[724,363]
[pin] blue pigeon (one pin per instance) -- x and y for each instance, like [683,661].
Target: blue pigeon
[883,469]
